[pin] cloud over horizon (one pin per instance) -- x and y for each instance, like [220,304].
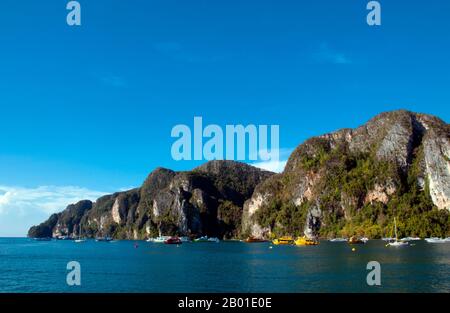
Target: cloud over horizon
[22,207]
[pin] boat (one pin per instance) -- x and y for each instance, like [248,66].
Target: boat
[42,239]
[285,240]
[105,239]
[79,236]
[396,242]
[201,239]
[159,239]
[436,240]
[63,238]
[207,239]
[387,238]
[252,239]
[173,241]
[185,239]
[355,241]
[304,241]
[364,239]
[410,239]
[337,240]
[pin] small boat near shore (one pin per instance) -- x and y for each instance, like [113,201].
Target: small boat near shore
[396,242]
[337,240]
[437,240]
[80,239]
[159,239]
[42,239]
[207,239]
[410,239]
[173,241]
[252,239]
[355,241]
[103,239]
[285,240]
[304,241]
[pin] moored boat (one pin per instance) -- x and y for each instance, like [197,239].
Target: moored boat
[207,239]
[436,240]
[185,239]
[103,239]
[252,239]
[159,239]
[355,241]
[173,241]
[337,240]
[285,240]
[42,239]
[396,242]
[304,241]
[80,239]
[410,239]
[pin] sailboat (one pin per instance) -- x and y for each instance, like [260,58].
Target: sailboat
[79,236]
[396,242]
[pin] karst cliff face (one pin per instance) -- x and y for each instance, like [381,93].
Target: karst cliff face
[205,201]
[354,181]
[349,182]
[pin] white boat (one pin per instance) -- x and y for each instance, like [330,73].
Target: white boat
[160,239]
[436,240]
[364,239]
[410,239]
[396,242]
[80,239]
[213,239]
[104,239]
[338,240]
[387,239]
[207,239]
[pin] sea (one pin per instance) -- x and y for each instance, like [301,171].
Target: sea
[28,266]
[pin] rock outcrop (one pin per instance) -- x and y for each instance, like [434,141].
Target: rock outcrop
[205,201]
[352,180]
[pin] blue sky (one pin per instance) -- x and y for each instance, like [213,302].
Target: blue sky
[89,109]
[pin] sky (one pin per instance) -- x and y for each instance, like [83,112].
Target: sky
[88,110]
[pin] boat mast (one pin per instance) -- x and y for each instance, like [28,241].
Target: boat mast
[395,225]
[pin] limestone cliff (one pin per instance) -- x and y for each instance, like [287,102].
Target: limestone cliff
[354,181]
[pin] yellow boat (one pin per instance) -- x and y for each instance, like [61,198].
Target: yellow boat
[285,240]
[303,241]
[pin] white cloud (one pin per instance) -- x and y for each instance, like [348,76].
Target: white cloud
[273,166]
[22,207]
[276,166]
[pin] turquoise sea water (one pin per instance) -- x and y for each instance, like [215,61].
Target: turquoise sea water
[31,266]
